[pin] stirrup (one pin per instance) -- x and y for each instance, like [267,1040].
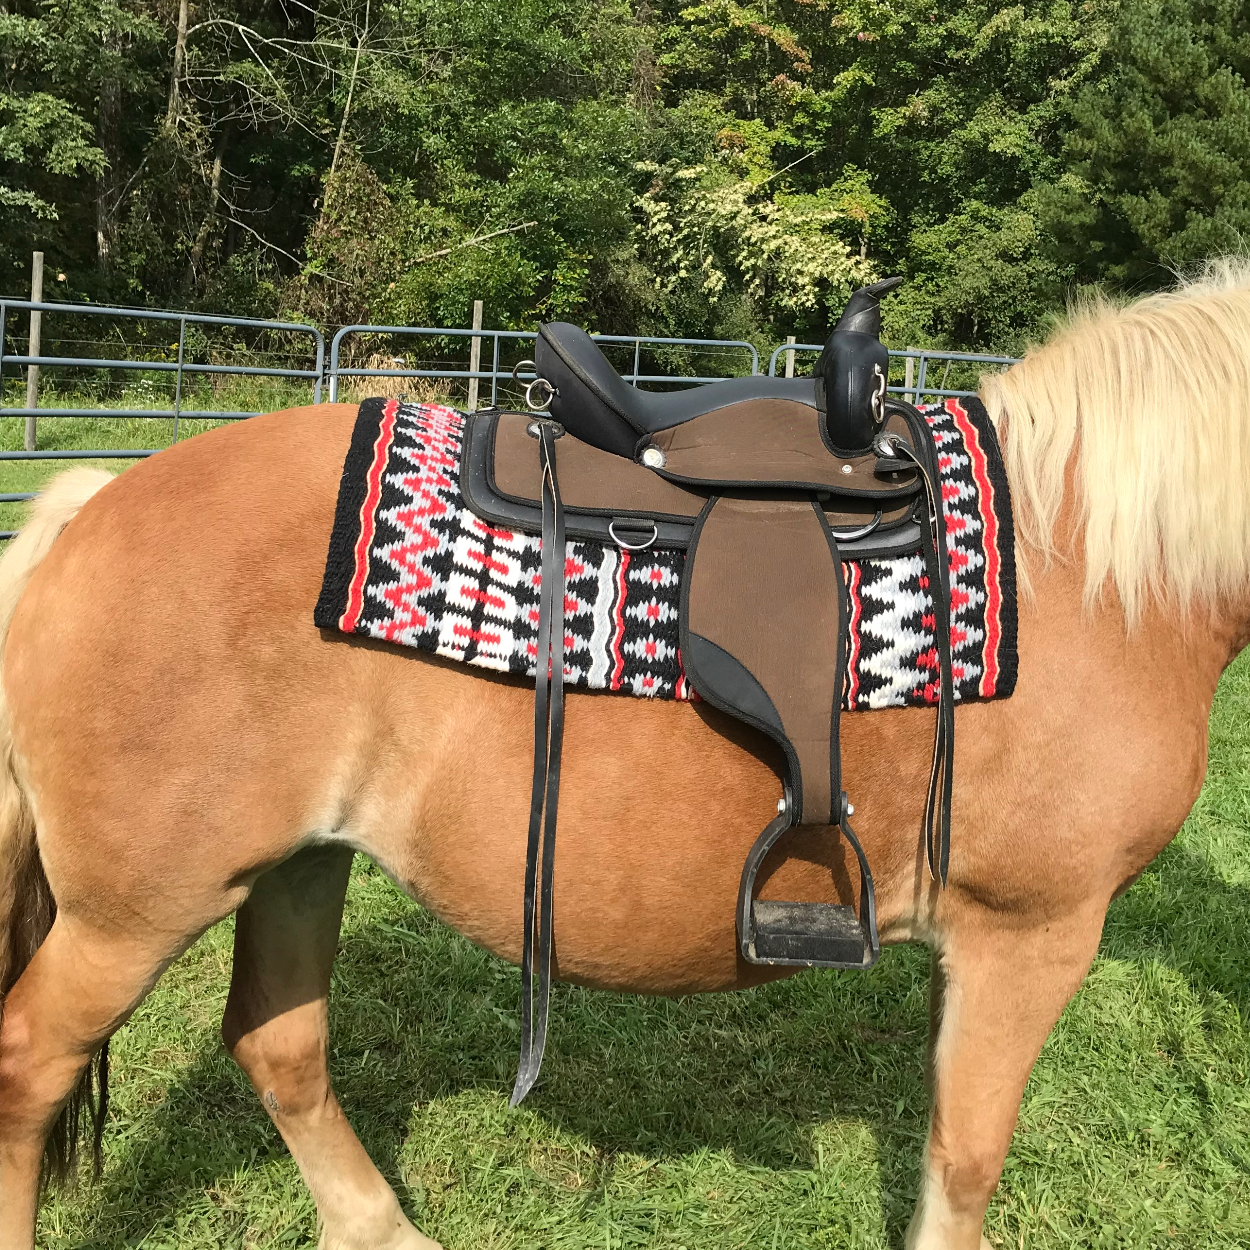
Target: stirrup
[806,935]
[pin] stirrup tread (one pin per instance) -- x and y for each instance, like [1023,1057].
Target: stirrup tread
[815,935]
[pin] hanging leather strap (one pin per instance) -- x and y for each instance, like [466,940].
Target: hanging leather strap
[545,794]
[937,811]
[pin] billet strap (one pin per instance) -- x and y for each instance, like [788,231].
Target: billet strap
[937,811]
[545,795]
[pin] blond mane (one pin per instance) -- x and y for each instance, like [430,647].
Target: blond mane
[1150,401]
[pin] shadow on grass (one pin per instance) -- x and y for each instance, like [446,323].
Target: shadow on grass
[419,1015]
[1184,916]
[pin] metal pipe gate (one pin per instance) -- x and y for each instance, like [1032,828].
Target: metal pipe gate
[734,357]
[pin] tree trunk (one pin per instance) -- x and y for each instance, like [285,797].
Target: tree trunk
[180,57]
[646,78]
[214,198]
[361,36]
[108,135]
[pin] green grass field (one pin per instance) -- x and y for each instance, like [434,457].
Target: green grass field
[792,1116]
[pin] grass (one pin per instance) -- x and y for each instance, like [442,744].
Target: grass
[792,1116]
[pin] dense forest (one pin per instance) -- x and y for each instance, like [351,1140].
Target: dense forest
[711,167]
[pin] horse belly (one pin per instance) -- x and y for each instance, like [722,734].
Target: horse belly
[659,805]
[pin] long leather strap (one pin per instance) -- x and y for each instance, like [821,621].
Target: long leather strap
[938,807]
[937,812]
[545,793]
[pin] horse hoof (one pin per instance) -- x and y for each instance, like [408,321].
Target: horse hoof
[403,1238]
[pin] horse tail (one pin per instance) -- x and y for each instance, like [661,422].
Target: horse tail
[27,908]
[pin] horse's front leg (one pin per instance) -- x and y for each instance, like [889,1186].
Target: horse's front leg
[1002,987]
[275,1026]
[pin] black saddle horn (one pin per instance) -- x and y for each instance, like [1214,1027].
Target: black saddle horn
[852,371]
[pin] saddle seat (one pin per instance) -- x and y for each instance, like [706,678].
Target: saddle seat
[594,403]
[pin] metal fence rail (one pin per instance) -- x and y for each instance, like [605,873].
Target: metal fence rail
[919,358]
[180,367]
[499,371]
[440,360]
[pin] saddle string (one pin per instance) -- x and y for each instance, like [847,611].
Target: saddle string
[545,792]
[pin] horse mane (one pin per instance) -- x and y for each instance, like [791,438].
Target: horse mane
[1150,404]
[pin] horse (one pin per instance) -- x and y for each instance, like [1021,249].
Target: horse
[181,743]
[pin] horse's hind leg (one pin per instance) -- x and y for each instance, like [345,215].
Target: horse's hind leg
[1002,989]
[276,1028]
[80,986]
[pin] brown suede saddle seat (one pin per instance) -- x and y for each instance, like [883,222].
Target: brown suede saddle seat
[767,485]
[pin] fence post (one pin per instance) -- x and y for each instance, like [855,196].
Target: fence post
[182,340]
[789,358]
[32,349]
[475,354]
[911,374]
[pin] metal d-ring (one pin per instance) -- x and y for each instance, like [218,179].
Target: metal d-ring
[530,402]
[542,405]
[852,535]
[620,542]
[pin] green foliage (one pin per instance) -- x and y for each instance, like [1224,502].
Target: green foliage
[1159,158]
[42,132]
[707,233]
[718,167]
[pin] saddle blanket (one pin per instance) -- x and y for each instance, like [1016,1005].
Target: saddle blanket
[410,564]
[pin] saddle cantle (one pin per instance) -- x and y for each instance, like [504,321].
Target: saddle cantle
[592,401]
[768,485]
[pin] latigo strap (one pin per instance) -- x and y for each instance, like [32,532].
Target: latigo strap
[545,795]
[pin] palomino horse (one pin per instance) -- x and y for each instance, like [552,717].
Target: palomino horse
[181,743]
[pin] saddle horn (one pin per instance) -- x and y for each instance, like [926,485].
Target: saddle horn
[852,371]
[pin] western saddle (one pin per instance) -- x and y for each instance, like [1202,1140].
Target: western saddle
[767,484]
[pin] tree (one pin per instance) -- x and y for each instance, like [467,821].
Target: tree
[1158,161]
[724,167]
